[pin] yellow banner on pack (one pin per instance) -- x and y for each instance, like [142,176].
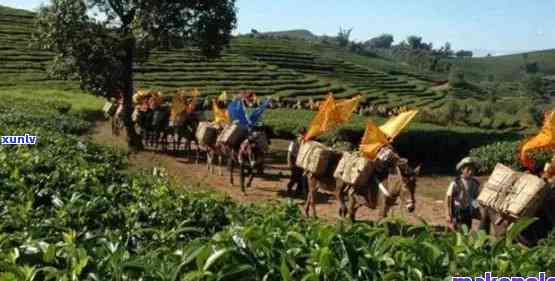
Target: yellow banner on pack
[330,115]
[395,125]
[191,107]
[178,106]
[343,111]
[376,137]
[545,139]
[223,96]
[373,140]
[220,115]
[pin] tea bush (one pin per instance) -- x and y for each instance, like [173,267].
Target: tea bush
[71,211]
[506,153]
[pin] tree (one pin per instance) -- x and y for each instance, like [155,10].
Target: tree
[456,77]
[446,50]
[100,51]
[533,85]
[383,41]
[343,36]
[531,67]
[414,42]
[464,54]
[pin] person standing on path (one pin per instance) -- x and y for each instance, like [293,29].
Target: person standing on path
[297,177]
[117,118]
[462,193]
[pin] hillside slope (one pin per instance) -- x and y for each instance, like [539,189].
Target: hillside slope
[507,68]
[293,70]
[269,67]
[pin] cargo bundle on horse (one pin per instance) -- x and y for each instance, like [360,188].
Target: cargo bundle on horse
[509,195]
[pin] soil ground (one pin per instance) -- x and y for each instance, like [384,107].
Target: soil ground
[272,187]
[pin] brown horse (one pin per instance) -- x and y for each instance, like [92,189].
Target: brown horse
[182,128]
[250,158]
[401,183]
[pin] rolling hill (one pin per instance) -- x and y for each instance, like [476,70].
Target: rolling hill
[287,68]
[507,68]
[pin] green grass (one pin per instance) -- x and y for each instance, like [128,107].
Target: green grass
[82,104]
[506,68]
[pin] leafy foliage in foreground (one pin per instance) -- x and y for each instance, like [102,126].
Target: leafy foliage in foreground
[70,212]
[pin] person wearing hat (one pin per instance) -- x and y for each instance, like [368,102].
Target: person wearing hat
[462,193]
[297,178]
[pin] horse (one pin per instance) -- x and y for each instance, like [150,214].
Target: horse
[213,152]
[143,120]
[402,182]
[490,219]
[250,157]
[183,127]
[158,131]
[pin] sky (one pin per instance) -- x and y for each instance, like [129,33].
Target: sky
[493,26]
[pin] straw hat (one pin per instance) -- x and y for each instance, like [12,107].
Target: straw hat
[467,161]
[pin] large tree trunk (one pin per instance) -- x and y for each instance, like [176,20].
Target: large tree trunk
[133,139]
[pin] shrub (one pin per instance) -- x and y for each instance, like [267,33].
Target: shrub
[506,153]
[456,77]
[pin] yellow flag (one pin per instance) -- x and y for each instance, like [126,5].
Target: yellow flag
[192,105]
[372,141]
[321,117]
[343,111]
[545,139]
[220,116]
[178,106]
[375,138]
[395,125]
[223,97]
[331,115]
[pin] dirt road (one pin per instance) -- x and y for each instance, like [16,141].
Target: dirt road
[271,188]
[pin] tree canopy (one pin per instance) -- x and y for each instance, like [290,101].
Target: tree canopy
[464,54]
[99,41]
[343,36]
[383,41]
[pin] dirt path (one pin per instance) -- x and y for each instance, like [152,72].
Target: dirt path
[271,188]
